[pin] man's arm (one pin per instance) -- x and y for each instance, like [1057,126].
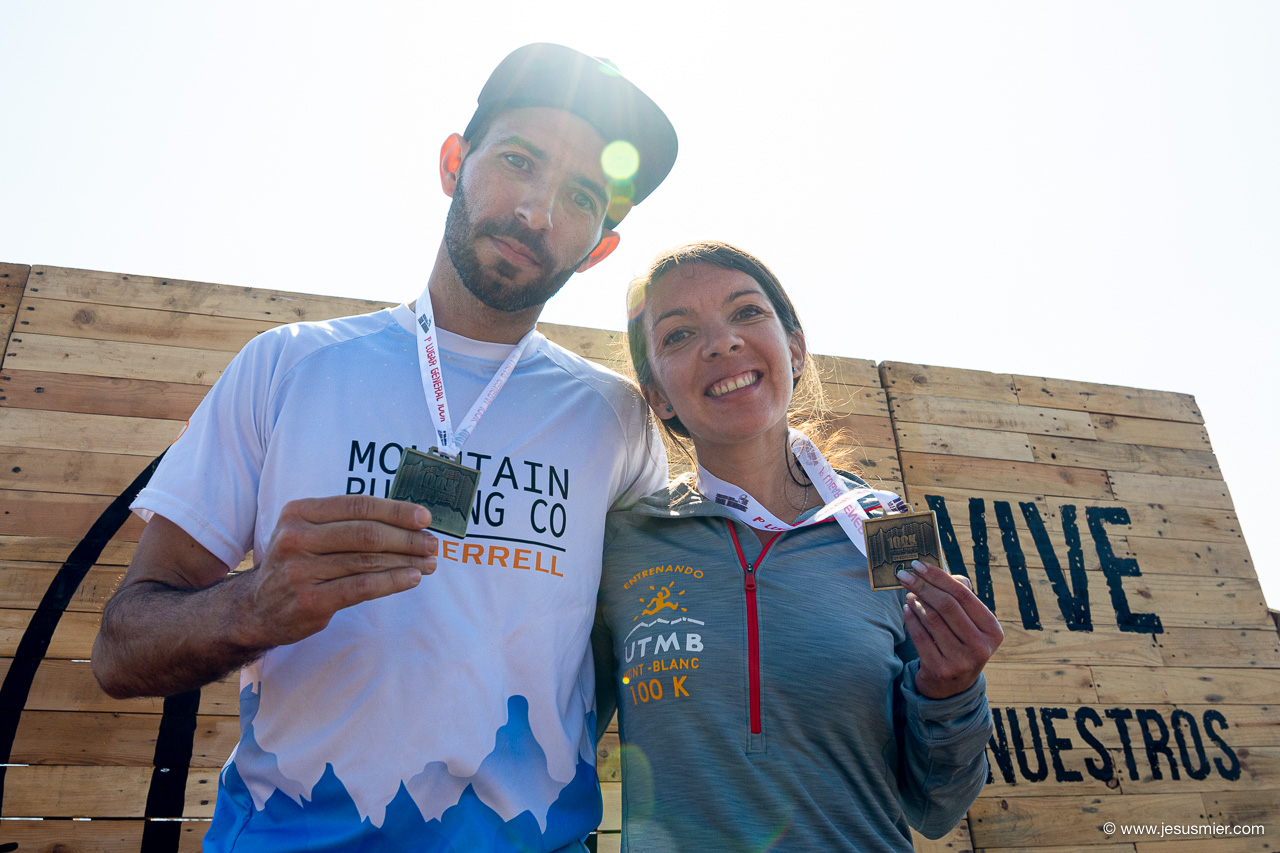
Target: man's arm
[178,621]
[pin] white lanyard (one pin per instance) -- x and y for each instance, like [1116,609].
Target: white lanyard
[450,442]
[841,501]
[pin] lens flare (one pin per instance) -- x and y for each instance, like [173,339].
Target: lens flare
[620,161]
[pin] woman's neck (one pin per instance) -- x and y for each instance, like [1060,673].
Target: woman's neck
[765,469]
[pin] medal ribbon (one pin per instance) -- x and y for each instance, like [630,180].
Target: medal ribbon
[840,501]
[450,442]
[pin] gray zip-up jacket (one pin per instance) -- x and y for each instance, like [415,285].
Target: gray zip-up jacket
[766,695]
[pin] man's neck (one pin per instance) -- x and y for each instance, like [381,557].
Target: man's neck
[457,310]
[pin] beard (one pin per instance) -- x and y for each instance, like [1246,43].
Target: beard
[496,287]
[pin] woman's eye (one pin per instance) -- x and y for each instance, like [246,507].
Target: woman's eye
[746,312]
[674,336]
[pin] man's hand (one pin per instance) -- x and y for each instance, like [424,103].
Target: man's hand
[953,631]
[330,553]
[178,622]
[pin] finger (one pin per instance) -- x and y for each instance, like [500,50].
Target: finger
[326,568]
[353,589]
[374,537]
[334,508]
[952,586]
[939,631]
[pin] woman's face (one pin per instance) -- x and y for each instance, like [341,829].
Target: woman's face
[719,354]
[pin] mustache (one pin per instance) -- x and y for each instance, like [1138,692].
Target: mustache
[513,229]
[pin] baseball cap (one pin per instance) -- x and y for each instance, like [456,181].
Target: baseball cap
[552,75]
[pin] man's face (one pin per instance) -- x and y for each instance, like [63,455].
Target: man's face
[528,208]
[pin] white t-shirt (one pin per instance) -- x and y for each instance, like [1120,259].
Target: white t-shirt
[457,713]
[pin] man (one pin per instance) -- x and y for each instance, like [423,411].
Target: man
[381,710]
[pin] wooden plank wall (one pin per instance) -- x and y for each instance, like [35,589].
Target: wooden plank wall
[1137,681]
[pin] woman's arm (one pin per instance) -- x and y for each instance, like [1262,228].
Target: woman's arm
[945,722]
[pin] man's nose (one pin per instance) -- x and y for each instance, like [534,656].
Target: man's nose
[537,205]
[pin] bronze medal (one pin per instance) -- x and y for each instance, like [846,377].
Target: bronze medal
[440,484]
[893,541]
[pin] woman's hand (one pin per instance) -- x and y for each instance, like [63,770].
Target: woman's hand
[953,631]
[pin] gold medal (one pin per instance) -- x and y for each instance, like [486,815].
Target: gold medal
[440,484]
[893,541]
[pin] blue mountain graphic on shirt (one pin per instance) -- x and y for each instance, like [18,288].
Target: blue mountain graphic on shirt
[328,820]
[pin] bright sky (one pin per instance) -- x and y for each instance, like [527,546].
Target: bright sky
[1083,190]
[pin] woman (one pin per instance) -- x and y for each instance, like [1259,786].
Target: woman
[768,698]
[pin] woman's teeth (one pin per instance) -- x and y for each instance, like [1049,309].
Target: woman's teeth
[725,386]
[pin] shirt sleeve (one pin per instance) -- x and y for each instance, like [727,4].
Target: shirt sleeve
[207,483]
[646,457]
[944,764]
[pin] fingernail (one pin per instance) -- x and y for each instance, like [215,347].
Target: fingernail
[422,517]
[919,567]
[905,576]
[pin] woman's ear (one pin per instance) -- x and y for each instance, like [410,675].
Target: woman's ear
[452,154]
[658,403]
[798,353]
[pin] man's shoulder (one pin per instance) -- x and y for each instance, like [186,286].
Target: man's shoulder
[611,384]
[295,341]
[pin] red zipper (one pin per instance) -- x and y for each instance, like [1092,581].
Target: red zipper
[753,623]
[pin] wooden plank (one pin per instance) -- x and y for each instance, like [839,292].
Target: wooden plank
[609,758]
[1036,821]
[1246,725]
[97,792]
[876,465]
[72,639]
[611,793]
[935,469]
[72,471]
[91,836]
[866,430]
[1259,770]
[13,281]
[1212,647]
[25,583]
[101,395]
[1109,399]
[53,549]
[136,437]
[1071,848]
[948,382]
[1200,559]
[125,740]
[1179,601]
[856,400]
[193,297]
[56,354]
[962,441]
[1221,844]
[853,372]
[1186,685]
[1036,683]
[140,325]
[1105,644]
[608,842]
[982,414]
[602,345]
[1195,525]
[955,841]
[1134,458]
[1246,808]
[1180,491]
[1126,430]
[63,685]
[64,516]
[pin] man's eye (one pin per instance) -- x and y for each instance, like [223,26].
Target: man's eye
[517,160]
[584,200]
